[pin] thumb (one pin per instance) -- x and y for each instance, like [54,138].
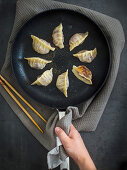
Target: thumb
[62,135]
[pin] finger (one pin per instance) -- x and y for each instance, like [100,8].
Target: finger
[73,132]
[62,135]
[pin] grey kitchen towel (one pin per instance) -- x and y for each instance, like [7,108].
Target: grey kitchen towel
[56,156]
[87,115]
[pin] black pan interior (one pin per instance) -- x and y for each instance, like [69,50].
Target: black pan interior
[42,26]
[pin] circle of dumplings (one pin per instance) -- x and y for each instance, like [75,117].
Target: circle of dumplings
[43,47]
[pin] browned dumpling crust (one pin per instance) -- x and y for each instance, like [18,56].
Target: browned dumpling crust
[83,74]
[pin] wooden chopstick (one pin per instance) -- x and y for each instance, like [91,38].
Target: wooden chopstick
[19,104]
[12,88]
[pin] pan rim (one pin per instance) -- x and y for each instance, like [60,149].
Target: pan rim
[107,42]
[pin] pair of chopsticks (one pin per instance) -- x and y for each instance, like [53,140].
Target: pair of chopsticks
[5,85]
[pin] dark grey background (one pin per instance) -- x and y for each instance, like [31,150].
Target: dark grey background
[19,150]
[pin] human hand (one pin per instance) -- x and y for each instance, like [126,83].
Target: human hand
[75,148]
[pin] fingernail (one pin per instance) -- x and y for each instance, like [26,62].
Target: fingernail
[57,129]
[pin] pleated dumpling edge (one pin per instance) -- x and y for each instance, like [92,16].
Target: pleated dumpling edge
[41,46]
[77,39]
[44,79]
[62,83]
[58,37]
[37,63]
[86,56]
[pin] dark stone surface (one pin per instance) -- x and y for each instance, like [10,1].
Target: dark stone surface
[19,150]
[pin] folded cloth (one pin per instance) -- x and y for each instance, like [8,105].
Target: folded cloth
[56,156]
[87,115]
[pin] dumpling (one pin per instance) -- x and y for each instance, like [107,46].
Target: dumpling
[86,56]
[41,46]
[45,79]
[37,63]
[58,37]
[77,39]
[62,83]
[83,74]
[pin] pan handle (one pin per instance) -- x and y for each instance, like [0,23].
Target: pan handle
[65,165]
